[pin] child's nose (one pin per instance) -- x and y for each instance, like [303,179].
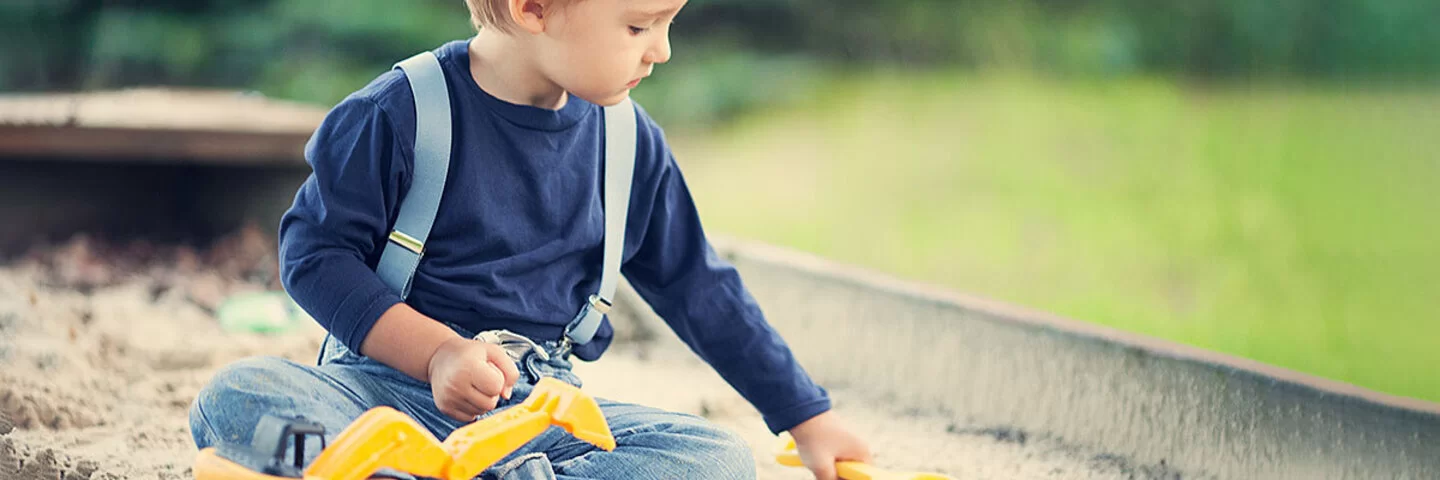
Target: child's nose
[660,51]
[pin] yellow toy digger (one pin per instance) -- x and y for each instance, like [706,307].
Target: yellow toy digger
[384,438]
[787,456]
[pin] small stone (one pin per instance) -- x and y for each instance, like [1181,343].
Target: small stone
[705,410]
[207,292]
[6,426]
[9,321]
[26,417]
[41,467]
[9,459]
[83,470]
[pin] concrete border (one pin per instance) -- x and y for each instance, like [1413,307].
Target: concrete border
[980,362]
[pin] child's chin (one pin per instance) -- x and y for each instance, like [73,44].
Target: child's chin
[610,100]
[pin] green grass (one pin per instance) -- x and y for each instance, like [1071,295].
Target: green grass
[1299,226]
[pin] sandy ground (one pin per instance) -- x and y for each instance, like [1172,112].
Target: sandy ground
[103,348]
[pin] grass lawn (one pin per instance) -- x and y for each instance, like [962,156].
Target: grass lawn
[1298,226]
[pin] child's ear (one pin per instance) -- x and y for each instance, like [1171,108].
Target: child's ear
[529,15]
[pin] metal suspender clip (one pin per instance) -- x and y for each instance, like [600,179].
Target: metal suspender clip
[600,304]
[407,242]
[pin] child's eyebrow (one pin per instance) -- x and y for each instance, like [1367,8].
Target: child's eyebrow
[658,13]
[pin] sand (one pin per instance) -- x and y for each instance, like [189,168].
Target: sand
[103,347]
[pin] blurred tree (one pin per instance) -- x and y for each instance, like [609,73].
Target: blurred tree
[307,49]
[319,50]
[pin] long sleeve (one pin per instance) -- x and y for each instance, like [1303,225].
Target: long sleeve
[702,298]
[333,234]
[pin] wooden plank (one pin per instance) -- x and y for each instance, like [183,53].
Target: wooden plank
[154,145]
[161,109]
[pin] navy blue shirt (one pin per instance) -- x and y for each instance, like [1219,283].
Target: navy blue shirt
[517,242]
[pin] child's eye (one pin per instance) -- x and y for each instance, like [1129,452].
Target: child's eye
[637,30]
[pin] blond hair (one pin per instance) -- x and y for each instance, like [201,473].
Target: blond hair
[490,13]
[496,14]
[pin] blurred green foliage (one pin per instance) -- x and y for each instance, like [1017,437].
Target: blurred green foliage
[1212,38]
[299,49]
[319,50]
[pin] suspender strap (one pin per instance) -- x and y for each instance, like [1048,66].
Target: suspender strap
[620,138]
[432,163]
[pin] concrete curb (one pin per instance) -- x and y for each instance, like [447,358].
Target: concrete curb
[977,361]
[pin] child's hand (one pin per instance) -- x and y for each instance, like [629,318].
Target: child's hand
[823,440]
[469,377]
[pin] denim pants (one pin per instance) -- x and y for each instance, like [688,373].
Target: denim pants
[651,443]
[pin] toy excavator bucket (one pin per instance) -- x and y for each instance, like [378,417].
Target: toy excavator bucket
[384,438]
[787,456]
[478,445]
[572,410]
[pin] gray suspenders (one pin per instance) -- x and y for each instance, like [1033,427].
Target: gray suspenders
[432,162]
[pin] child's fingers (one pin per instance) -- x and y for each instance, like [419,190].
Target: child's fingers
[485,403]
[824,469]
[819,461]
[480,399]
[500,360]
[488,379]
[462,413]
[454,405]
[856,452]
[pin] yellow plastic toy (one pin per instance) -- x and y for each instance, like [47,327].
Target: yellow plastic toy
[384,438]
[850,470]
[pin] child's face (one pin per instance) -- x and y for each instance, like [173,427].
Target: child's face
[600,49]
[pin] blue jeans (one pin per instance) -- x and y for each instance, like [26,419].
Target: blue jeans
[651,443]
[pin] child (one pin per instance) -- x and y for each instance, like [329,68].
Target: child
[515,246]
